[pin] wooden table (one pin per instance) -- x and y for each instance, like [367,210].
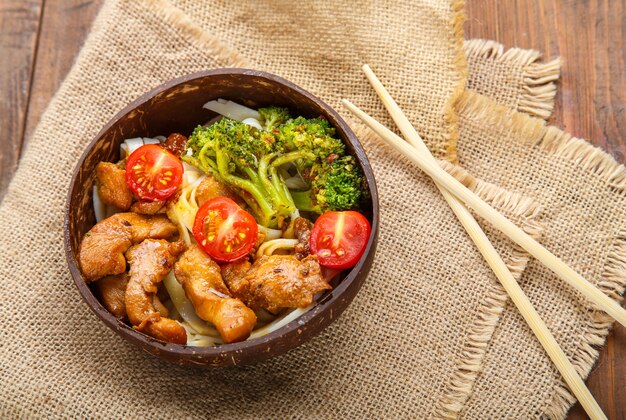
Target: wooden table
[40,38]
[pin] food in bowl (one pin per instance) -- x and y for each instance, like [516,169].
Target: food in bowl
[228,234]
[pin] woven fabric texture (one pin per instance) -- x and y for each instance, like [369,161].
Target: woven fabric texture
[322,45]
[515,77]
[431,333]
[581,191]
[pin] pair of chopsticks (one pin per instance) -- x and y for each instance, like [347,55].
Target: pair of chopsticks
[455,194]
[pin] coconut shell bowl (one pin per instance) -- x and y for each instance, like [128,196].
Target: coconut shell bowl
[176,106]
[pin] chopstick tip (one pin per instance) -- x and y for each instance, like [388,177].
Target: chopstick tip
[347,104]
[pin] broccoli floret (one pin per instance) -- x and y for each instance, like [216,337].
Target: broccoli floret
[336,185]
[314,135]
[232,152]
[243,143]
[254,161]
[272,117]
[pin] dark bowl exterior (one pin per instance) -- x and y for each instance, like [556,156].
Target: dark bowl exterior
[176,106]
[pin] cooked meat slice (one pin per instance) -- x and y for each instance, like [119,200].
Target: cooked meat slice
[150,261]
[176,143]
[210,188]
[160,308]
[282,281]
[154,207]
[112,187]
[148,207]
[112,290]
[200,277]
[102,249]
[234,275]
[302,229]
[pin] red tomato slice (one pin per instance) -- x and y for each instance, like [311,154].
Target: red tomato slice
[153,173]
[224,230]
[339,238]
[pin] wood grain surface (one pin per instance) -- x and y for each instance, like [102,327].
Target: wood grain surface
[19,32]
[39,40]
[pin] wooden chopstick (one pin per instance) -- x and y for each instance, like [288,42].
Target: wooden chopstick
[491,215]
[494,260]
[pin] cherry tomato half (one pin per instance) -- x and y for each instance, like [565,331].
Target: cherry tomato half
[224,230]
[153,173]
[339,238]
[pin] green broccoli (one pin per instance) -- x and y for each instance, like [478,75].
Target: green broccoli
[314,134]
[336,185]
[272,117]
[256,163]
[232,152]
[241,142]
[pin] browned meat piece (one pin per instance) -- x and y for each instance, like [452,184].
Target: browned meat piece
[159,307]
[112,290]
[148,207]
[176,143]
[281,281]
[200,277]
[302,230]
[234,274]
[102,249]
[150,261]
[154,207]
[210,188]
[112,187]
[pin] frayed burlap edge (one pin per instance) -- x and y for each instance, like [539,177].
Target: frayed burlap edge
[589,158]
[524,211]
[538,88]
[195,34]
[597,327]
[450,117]
[613,278]
[551,139]
[595,161]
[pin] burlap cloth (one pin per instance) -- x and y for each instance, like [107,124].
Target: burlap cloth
[431,333]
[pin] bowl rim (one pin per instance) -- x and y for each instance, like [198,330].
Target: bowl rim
[323,307]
